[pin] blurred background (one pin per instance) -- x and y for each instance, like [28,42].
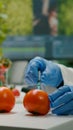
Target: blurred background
[30,28]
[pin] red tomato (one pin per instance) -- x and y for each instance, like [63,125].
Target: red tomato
[7,99]
[36,101]
[16,92]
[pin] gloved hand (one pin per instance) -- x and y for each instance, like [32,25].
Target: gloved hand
[50,72]
[62,101]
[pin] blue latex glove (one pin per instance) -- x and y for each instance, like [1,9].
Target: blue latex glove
[50,72]
[62,101]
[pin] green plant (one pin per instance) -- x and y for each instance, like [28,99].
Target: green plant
[65,16]
[3,21]
[20,17]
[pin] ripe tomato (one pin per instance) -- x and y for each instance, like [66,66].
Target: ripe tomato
[7,99]
[16,92]
[36,101]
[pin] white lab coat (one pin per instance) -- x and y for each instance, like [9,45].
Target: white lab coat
[67,74]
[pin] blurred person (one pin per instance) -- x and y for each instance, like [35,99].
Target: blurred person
[45,21]
[55,77]
[53,22]
[41,26]
[40,22]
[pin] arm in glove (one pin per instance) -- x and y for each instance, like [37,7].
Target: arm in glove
[50,72]
[62,101]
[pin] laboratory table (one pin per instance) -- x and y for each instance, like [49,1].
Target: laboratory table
[20,119]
